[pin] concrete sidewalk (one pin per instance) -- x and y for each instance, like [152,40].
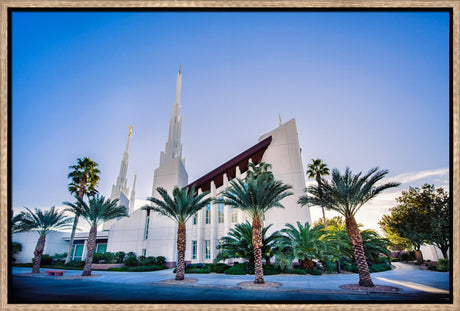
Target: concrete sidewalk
[403,276]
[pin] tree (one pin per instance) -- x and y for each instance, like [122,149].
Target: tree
[255,195]
[346,194]
[317,169]
[421,216]
[304,242]
[95,212]
[336,221]
[43,222]
[238,244]
[183,204]
[84,178]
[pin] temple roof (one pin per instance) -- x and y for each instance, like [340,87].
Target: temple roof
[254,153]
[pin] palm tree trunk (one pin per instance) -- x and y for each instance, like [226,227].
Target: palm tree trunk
[91,245]
[358,249]
[181,243]
[320,193]
[257,244]
[419,256]
[38,254]
[72,237]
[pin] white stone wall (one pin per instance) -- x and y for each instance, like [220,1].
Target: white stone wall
[284,155]
[54,244]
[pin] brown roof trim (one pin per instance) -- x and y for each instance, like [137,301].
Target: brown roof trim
[217,175]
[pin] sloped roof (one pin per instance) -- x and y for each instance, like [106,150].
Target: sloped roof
[254,153]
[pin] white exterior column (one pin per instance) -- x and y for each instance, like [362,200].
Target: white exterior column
[200,235]
[214,222]
[227,210]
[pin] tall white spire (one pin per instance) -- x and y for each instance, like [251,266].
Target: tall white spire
[173,148]
[122,179]
[132,199]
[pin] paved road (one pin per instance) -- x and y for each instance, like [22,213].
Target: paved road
[414,285]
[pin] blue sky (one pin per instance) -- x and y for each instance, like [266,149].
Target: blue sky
[366,89]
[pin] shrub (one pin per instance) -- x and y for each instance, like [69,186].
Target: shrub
[407,256]
[378,267]
[118,269]
[329,265]
[109,257]
[432,267]
[219,268]
[146,268]
[46,260]
[131,260]
[98,257]
[148,261]
[314,272]
[271,270]
[443,265]
[75,264]
[160,260]
[299,271]
[120,257]
[236,270]
[197,270]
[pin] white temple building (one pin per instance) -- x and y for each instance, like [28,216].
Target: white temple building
[150,234]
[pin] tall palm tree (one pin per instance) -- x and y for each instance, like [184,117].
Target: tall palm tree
[183,204]
[304,242]
[346,194]
[95,212]
[256,195]
[238,244]
[84,178]
[43,222]
[317,169]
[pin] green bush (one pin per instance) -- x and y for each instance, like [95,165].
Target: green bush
[271,270]
[124,268]
[219,268]
[238,269]
[378,267]
[407,256]
[120,257]
[75,264]
[314,272]
[160,260]
[197,270]
[432,267]
[146,268]
[46,260]
[147,261]
[443,265]
[131,261]
[299,271]
[28,265]
[329,265]
[98,257]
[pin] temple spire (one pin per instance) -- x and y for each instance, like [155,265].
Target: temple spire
[173,148]
[122,179]
[132,199]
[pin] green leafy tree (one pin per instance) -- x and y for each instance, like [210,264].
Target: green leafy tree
[84,177]
[346,194]
[238,244]
[183,204]
[95,212]
[255,195]
[317,169]
[421,216]
[336,221]
[303,242]
[43,222]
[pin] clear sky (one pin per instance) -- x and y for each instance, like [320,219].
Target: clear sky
[366,89]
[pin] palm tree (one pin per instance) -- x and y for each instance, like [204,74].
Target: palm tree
[95,212]
[256,195]
[304,242]
[43,222]
[346,194]
[84,178]
[183,204]
[316,170]
[238,244]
